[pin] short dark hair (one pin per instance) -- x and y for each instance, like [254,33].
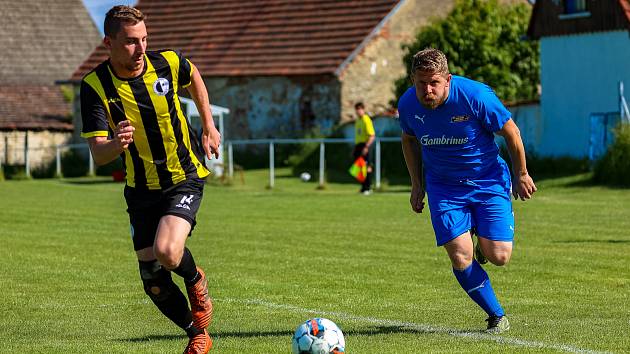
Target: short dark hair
[359,105]
[430,60]
[118,15]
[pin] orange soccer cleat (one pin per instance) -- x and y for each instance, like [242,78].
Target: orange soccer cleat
[200,302]
[199,344]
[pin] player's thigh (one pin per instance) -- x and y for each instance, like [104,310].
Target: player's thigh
[171,234]
[450,217]
[494,218]
[494,224]
[178,220]
[144,212]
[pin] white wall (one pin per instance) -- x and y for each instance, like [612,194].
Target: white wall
[42,146]
[579,76]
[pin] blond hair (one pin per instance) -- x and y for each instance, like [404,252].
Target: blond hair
[118,15]
[430,60]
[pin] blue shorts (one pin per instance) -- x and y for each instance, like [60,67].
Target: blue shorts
[457,209]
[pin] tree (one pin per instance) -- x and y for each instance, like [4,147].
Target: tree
[483,40]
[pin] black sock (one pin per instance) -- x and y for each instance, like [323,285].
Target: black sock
[192,331]
[367,184]
[187,268]
[171,301]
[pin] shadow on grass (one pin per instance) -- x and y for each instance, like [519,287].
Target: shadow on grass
[90,181]
[369,331]
[592,241]
[153,337]
[378,330]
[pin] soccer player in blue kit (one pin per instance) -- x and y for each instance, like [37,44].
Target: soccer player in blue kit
[448,125]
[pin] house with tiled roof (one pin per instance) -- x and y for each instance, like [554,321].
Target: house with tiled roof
[42,42]
[284,67]
[584,56]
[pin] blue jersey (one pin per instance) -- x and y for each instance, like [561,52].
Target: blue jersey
[457,137]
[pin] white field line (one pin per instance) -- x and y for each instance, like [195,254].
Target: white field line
[477,336]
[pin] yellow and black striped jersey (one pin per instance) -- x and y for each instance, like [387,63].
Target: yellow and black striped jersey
[165,150]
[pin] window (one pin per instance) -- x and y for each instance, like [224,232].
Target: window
[574,6]
[573,9]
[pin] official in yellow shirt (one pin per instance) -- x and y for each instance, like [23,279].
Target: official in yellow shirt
[363,138]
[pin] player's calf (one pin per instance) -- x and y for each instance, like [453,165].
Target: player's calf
[159,286]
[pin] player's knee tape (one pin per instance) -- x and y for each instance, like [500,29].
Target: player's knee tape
[157,281]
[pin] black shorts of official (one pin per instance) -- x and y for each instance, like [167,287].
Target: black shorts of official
[147,207]
[358,150]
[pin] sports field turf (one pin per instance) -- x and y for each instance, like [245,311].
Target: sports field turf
[69,281]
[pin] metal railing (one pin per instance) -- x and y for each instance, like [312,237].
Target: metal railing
[28,165]
[322,153]
[229,145]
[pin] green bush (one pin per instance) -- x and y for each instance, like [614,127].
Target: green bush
[47,170]
[550,167]
[108,169]
[15,172]
[540,167]
[614,168]
[74,163]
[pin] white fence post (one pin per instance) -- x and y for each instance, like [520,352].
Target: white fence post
[271,165]
[91,172]
[58,161]
[378,164]
[27,162]
[230,160]
[322,161]
[623,106]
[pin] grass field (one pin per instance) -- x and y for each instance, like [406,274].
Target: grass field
[69,281]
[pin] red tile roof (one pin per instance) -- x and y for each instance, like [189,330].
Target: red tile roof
[34,107]
[258,37]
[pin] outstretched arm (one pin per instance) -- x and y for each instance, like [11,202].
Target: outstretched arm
[210,138]
[523,185]
[413,160]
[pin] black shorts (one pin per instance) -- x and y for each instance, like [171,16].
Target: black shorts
[358,150]
[147,207]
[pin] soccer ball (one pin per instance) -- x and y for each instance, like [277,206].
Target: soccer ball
[305,176]
[318,336]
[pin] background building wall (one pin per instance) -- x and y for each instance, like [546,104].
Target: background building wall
[528,118]
[371,74]
[278,107]
[580,75]
[41,146]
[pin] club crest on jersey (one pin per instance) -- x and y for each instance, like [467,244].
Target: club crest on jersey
[161,86]
[459,119]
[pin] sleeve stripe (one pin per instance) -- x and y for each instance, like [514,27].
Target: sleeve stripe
[95,133]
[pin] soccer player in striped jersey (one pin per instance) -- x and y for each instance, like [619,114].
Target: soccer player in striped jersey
[448,125]
[130,108]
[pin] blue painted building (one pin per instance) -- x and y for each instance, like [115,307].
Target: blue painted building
[585,54]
